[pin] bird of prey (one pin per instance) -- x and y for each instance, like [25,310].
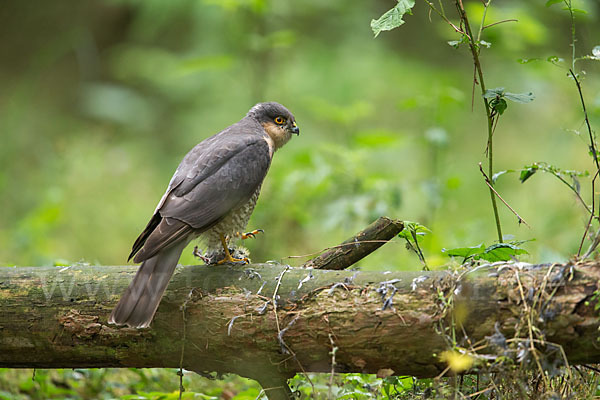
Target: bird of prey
[212,195]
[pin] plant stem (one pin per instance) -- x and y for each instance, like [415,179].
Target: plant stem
[488,181]
[569,5]
[593,148]
[474,47]
[589,223]
[485,8]
[587,120]
[594,152]
[574,190]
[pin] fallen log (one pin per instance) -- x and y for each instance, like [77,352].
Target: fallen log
[269,322]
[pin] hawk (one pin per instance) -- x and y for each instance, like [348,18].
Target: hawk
[211,195]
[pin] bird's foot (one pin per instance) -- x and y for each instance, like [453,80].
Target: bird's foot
[229,259]
[236,255]
[242,252]
[251,234]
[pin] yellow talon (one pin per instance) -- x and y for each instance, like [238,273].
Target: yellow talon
[228,258]
[250,234]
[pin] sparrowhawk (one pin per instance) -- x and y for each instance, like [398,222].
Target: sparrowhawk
[212,195]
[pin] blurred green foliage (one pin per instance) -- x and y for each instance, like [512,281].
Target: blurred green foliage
[101,99]
[163,384]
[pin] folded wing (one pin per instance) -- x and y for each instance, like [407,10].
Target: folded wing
[217,176]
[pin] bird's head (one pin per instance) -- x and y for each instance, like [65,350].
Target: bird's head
[278,121]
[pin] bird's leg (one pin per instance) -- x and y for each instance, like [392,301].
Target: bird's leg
[250,234]
[228,257]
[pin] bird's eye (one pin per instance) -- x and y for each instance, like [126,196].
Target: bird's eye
[279,120]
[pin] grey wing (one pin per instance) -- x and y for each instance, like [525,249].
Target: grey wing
[229,175]
[199,163]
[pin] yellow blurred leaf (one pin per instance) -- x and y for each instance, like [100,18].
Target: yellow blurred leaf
[456,361]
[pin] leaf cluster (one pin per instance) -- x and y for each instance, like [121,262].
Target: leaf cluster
[497,252]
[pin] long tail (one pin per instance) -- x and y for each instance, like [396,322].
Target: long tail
[138,304]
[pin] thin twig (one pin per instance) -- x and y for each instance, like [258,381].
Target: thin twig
[274,298]
[500,22]
[184,319]
[576,193]
[333,351]
[591,368]
[443,16]
[480,391]
[232,320]
[485,8]
[587,121]
[443,372]
[542,290]
[487,181]
[594,151]
[595,239]
[593,245]
[284,347]
[589,223]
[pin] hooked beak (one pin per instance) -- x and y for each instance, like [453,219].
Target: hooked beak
[295,129]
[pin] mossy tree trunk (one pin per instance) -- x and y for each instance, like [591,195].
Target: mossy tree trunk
[269,322]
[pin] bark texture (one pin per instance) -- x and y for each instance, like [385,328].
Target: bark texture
[268,322]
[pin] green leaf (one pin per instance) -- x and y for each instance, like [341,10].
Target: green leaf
[464,39]
[484,43]
[528,172]
[393,18]
[413,229]
[499,105]
[465,252]
[519,97]
[496,97]
[493,253]
[575,10]
[502,252]
[552,2]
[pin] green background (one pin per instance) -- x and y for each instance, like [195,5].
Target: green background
[100,100]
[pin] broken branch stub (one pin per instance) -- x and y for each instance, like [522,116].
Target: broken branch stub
[358,246]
